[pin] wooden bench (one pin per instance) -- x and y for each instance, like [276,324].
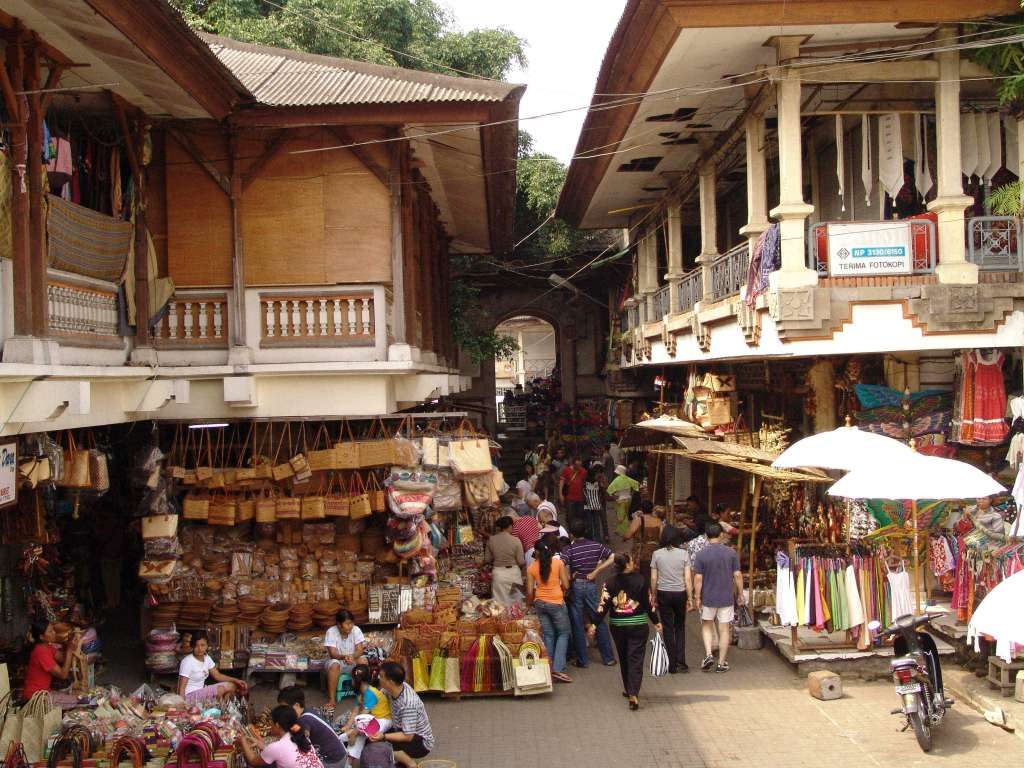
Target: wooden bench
[1002,675]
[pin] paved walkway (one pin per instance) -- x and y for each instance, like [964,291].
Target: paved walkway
[758,713]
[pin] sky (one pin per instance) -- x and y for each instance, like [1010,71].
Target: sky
[566,43]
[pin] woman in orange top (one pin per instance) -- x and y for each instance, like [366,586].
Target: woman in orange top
[547,581]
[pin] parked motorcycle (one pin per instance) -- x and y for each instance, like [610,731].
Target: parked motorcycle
[918,677]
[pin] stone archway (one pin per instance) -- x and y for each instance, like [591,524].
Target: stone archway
[579,332]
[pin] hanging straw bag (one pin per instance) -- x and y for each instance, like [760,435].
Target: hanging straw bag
[346,451]
[223,510]
[288,507]
[266,507]
[358,499]
[76,465]
[314,505]
[175,466]
[299,462]
[378,496]
[469,454]
[244,471]
[246,508]
[336,501]
[377,449]
[196,506]
[322,457]
[283,470]
[205,471]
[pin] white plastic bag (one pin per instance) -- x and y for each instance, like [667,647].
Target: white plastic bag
[659,656]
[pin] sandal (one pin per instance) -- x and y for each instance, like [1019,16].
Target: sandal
[561,677]
[328,710]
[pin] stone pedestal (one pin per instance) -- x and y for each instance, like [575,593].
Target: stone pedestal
[31,350]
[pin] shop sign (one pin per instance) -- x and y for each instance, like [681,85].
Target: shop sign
[870,248]
[8,474]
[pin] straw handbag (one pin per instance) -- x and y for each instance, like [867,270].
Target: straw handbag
[299,462]
[314,506]
[378,496]
[246,508]
[358,498]
[336,504]
[283,470]
[76,465]
[469,454]
[288,507]
[266,507]
[175,466]
[245,471]
[223,510]
[205,471]
[196,506]
[322,457]
[346,450]
[377,449]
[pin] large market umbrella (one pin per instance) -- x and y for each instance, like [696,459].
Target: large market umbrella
[845,448]
[913,478]
[1000,616]
[659,431]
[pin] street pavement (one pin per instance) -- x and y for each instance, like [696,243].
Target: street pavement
[759,713]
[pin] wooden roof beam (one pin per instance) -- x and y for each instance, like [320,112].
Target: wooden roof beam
[362,114]
[361,153]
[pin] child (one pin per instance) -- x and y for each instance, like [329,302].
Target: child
[369,701]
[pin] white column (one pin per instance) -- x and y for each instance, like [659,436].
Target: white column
[757,187]
[708,226]
[950,200]
[647,275]
[674,234]
[792,211]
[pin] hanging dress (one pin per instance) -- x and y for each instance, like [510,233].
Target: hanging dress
[899,593]
[854,606]
[785,593]
[988,423]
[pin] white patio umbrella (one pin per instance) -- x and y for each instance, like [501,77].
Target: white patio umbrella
[845,448]
[913,478]
[999,615]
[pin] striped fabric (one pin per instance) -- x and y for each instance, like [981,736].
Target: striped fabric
[85,242]
[410,716]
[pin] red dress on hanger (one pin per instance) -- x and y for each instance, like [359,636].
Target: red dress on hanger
[988,425]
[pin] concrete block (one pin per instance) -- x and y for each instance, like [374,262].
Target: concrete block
[825,685]
[750,638]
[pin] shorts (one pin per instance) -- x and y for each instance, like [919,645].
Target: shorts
[415,749]
[724,615]
[207,693]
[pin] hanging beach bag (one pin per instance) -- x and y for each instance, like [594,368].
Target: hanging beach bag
[314,505]
[346,450]
[283,470]
[358,499]
[376,449]
[196,506]
[378,496]
[266,507]
[336,501]
[76,465]
[322,456]
[288,507]
[469,454]
[299,462]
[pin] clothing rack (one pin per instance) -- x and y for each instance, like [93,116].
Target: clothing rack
[795,548]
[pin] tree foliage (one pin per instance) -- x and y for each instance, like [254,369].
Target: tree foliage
[417,34]
[1005,61]
[539,181]
[465,314]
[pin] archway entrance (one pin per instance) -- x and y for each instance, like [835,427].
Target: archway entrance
[527,381]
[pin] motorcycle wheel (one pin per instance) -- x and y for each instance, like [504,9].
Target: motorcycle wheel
[922,730]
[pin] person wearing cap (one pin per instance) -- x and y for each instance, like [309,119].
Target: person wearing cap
[621,490]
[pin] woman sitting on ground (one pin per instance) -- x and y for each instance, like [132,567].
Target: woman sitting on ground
[195,668]
[48,661]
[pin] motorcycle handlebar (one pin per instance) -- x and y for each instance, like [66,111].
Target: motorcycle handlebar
[902,625]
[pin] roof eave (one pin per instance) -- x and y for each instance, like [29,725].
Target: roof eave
[157,30]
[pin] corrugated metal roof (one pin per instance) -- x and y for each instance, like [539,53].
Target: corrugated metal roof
[284,78]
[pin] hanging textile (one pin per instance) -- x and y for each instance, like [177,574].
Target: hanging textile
[995,145]
[890,154]
[968,145]
[981,400]
[1012,147]
[85,242]
[867,174]
[982,142]
[840,162]
[922,174]
[785,592]
[767,258]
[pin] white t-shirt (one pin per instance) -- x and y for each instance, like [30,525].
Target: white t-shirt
[196,671]
[346,646]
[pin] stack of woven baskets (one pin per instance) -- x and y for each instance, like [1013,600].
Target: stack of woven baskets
[275,617]
[250,610]
[324,613]
[225,613]
[300,617]
[165,614]
[195,613]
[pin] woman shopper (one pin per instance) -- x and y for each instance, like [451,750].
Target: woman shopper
[547,581]
[671,581]
[290,747]
[625,600]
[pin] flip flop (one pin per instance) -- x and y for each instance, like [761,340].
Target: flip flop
[561,677]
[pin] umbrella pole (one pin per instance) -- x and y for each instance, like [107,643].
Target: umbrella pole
[917,562]
[753,534]
[744,497]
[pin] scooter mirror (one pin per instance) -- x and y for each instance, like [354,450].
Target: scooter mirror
[874,626]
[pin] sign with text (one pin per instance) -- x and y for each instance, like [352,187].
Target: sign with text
[870,248]
[8,474]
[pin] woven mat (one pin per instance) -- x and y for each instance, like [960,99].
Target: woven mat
[85,242]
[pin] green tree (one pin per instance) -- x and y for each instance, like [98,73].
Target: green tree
[417,34]
[1005,61]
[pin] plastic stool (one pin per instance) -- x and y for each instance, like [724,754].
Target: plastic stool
[345,688]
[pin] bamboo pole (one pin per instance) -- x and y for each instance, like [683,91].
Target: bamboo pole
[711,488]
[744,496]
[753,533]
[917,564]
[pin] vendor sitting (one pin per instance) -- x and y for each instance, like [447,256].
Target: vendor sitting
[345,644]
[193,671]
[48,661]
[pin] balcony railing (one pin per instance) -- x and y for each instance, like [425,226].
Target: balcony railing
[994,243]
[924,249]
[691,290]
[661,302]
[729,272]
[329,319]
[82,308]
[194,320]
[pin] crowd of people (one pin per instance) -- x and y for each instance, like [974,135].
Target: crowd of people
[583,591]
